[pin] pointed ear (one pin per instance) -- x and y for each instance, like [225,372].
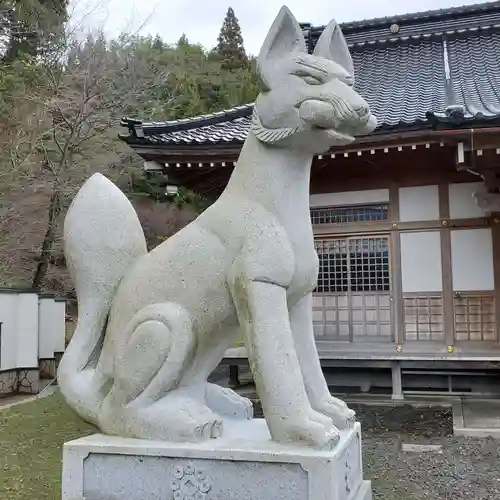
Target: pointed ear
[284,37]
[332,45]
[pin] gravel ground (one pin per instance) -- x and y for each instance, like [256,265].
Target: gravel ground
[468,469]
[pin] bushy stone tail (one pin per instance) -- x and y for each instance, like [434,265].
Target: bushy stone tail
[102,240]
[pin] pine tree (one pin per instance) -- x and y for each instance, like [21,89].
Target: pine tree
[183,41]
[158,43]
[30,27]
[230,50]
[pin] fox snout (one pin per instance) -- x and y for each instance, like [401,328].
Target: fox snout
[337,114]
[318,113]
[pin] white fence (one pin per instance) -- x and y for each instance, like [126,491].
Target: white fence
[32,339]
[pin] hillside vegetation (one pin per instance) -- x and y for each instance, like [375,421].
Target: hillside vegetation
[61,100]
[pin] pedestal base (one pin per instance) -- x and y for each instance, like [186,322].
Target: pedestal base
[243,465]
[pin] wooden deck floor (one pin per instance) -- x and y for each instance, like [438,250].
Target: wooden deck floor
[388,351]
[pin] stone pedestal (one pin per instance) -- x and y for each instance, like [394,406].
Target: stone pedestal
[243,465]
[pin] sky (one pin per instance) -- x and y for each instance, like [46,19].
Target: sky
[201,20]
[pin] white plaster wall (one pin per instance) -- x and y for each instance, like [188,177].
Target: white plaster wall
[45,328]
[27,330]
[472,259]
[418,203]
[421,262]
[462,204]
[32,328]
[59,322]
[8,317]
[349,198]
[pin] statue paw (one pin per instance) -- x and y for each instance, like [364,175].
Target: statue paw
[340,414]
[228,403]
[315,430]
[211,429]
[177,416]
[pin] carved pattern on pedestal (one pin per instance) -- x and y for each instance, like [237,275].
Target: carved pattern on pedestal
[352,465]
[189,483]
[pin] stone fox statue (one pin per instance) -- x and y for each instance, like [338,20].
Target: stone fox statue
[152,326]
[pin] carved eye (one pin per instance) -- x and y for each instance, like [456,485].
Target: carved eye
[312,80]
[308,78]
[348,80]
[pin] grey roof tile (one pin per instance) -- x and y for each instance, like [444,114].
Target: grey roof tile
[475,75]
[409,81]
[401,82]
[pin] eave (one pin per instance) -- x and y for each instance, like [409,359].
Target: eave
[441,131]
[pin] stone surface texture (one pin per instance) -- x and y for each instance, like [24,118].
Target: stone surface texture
[246,267]
[28,381]
[48,368]
[9,382]
[243,465]
[24,381]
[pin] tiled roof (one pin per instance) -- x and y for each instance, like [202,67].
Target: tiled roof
[229,126]
[401,82]
[475,72]
[467,17]
[441,69]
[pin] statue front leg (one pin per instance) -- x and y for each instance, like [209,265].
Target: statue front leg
[263,315]
[317,389]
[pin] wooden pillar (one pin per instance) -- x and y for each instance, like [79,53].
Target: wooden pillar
[396,277]
[495,235]
[447,293]
[397,383]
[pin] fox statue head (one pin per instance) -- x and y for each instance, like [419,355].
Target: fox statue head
[308,102]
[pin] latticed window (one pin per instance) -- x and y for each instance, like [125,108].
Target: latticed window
[353,264]
[343,215]
[423,318]
[475,318]
[352,299]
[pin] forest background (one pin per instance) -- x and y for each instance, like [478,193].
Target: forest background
[62,96]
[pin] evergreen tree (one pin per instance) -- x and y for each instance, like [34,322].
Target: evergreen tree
[230,50]
[30,27]
[183,41]
[158,43]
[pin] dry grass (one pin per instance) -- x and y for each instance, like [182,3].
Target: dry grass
[31,439]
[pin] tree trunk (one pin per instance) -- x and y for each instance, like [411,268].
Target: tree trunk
[48,241]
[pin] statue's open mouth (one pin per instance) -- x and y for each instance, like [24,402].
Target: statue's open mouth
[335,134]
[366,126]
[339,136]
[323,115]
